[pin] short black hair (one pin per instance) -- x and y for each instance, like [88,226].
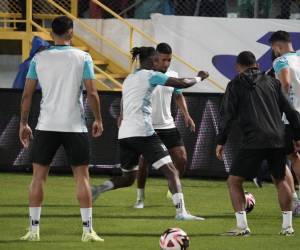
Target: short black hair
[61,25]
[280,36]
[144,53]
[164,48]
[246,58]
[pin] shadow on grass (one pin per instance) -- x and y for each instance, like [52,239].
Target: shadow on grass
[149,235]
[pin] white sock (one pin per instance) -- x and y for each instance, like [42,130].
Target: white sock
[140,194]
[178,201]
[106,186]
[34,217]
[287,217]
[86,216]
[295,196]
[241,219]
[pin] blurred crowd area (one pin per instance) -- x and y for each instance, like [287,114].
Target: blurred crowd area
[142,9]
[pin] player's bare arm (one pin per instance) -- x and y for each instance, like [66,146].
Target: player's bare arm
[186,82]
[120,118]
[285,80]
[25,132]
[94,102]
[181,104]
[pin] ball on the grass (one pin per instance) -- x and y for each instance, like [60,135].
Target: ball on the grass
[174,239]
[250,202]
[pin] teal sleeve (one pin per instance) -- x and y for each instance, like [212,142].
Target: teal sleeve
[31,74]
[177,91]
[88,69]
[280,64]
[158,78]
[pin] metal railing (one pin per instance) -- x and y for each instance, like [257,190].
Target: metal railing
[133,29]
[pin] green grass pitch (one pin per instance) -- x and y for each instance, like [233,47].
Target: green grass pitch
[126,228]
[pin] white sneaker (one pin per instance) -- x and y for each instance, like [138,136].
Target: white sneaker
[296,208]
[139,204]
[91,236]
[187,216]
[95,192]
[238,232]
[289,231]
[31,236]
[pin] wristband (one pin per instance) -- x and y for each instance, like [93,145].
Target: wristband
[198,79]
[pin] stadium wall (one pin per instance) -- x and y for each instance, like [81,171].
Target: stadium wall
[104,150]
[207,43]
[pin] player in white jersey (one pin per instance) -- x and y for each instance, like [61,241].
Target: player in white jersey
[163,122]
[287,70]
[61,71]
[137,135]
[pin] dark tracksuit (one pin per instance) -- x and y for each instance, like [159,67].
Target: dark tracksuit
[256,101]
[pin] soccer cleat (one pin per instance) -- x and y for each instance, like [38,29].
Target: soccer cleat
[91,236]
[169,195]
[258,182]
[296,208]
[95,192]
[139,204]
[238,232]
[289,231]
[31,236]
[187,217]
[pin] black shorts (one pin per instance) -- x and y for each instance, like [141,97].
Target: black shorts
[151,147]
[289,146]
[248,162]
[170,137]
[46,143]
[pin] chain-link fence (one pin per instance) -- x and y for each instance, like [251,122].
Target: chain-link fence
[212,8]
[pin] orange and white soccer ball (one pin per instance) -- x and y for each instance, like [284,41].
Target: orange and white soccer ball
[174,239]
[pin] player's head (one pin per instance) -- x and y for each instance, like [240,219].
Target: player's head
[164,51]
[62,28]
[245,60]
[281,42]
[147,57]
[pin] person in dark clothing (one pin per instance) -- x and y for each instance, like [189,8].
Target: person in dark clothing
[256,101]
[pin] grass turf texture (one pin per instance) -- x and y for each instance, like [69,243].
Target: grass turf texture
[126,228]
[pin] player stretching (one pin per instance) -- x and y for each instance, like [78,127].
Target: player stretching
[163,122]
[60,70]
[136,134]
[287,70]
[256,101]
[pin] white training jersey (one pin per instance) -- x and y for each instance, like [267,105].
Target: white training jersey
[137,103]
[60,71]
[161,105]
[292,62]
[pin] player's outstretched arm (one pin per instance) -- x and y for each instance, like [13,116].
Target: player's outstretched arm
[25,132]
[186,82]
[94,101]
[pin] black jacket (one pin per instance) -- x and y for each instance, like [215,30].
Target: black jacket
[256,101]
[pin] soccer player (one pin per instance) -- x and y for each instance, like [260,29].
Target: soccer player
[287,70]
[163,122]
[61,71]
[256,101]
[288,174]
[137,135]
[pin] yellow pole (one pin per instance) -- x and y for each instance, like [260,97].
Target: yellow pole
[74,8]
[26,42]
